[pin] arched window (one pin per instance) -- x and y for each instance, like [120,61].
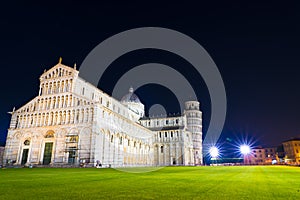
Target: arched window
[26,142]
[49,134]
[161,149]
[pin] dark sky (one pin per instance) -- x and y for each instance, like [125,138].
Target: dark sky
[255,46]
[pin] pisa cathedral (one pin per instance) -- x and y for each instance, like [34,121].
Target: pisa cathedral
[72,122]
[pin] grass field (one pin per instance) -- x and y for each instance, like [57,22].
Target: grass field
[253,182]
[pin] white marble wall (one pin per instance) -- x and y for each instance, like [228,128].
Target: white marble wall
[106,130]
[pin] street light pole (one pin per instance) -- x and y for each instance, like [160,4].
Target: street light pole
[214,153]
[245,150]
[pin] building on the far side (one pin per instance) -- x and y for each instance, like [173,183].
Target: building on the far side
[270,155]
[264,156]
[292,151]
[258,156]
[280,154]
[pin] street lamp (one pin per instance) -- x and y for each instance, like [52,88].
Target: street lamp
[245,150]
[214,153]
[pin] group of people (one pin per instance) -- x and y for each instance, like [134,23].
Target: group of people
[98,164]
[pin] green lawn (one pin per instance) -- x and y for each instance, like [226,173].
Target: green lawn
[253,182]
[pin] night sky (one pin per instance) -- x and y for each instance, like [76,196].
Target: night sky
[255,46]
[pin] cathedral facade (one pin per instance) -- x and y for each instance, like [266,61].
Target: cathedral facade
[72,122]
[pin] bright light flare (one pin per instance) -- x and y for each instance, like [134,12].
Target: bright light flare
[214,152]
[245,149]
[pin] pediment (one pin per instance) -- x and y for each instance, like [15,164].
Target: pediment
[59,71]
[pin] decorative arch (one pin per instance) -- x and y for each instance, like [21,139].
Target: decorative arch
[73,131]
[85,130]
[49,134]
[17,135]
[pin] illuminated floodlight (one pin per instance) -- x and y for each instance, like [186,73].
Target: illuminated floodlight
[245,149]
[214,152]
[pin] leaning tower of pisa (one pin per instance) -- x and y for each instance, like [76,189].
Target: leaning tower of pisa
[194,125]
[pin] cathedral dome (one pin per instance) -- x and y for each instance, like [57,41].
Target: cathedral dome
[130,97]
[133,103]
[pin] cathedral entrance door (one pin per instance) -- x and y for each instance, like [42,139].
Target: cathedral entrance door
[47,153]
[72,155]
[174,161]
[24,156]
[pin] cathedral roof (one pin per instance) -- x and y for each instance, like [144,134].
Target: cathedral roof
[130,97]
[59,70]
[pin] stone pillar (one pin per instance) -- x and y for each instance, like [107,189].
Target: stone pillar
[165,154]
[183,154]
[171,153]
[176,154]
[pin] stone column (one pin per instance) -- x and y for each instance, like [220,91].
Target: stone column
[40,90]
[171,152]
[176,154]
[165,154]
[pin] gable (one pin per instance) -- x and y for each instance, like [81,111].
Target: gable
[59,71]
